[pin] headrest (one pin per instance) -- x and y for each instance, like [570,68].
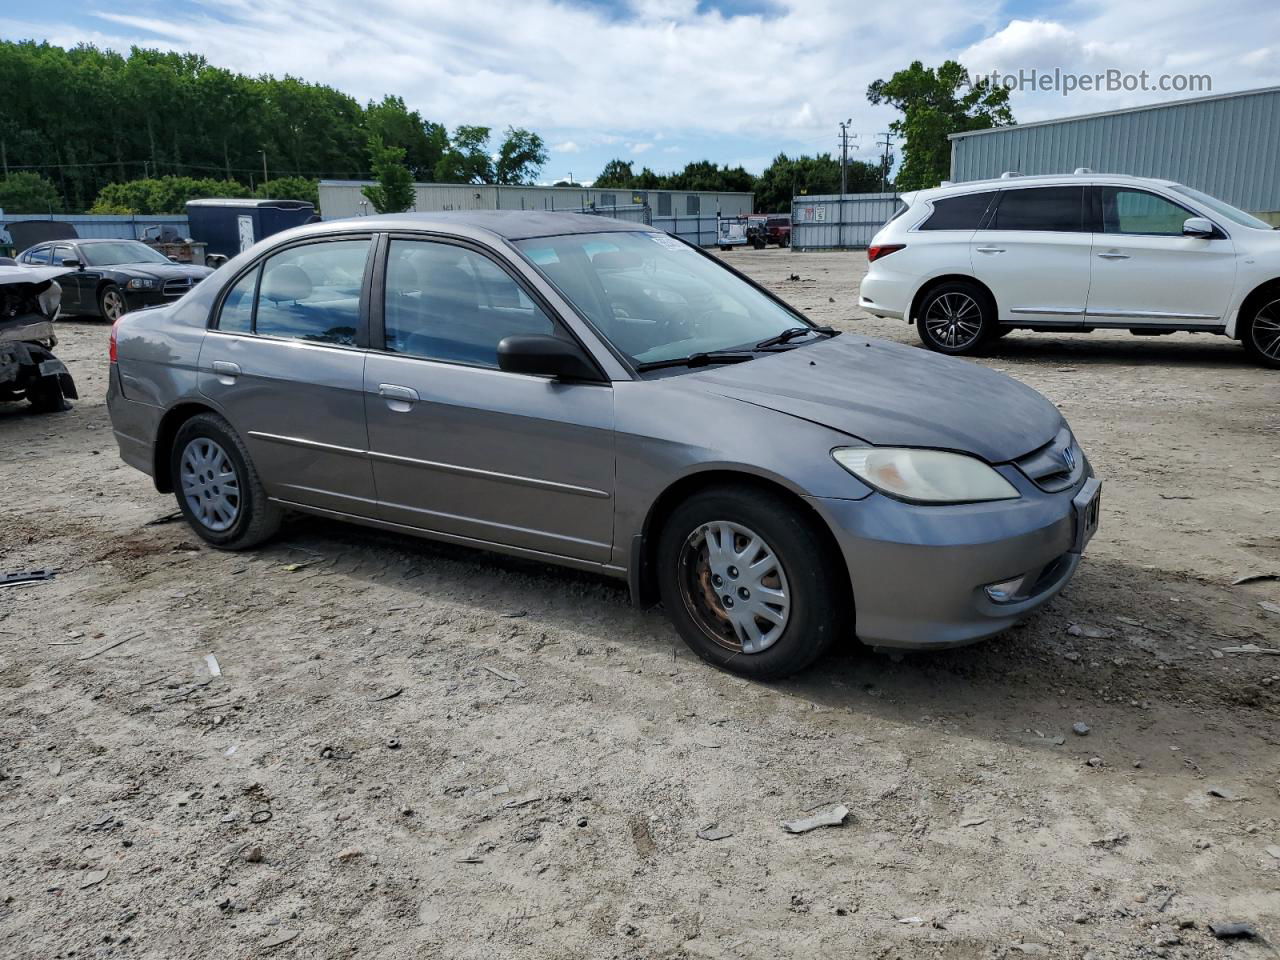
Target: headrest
[402,276]
[286,282]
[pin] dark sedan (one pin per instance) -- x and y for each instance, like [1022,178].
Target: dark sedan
[113,277]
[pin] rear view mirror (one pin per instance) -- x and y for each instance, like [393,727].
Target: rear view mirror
[1198,227]
[545,357]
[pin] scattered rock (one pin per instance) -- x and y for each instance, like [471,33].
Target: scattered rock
[973,822]
[1274,851]
[350,853]
[1233,931]
[1030,949]
[714,832]
[251,854]
[93,878]
[1095,761]
[279,938]
[1222,793]
[1080,729]
[1203,844]
[832,818]
[1090,632]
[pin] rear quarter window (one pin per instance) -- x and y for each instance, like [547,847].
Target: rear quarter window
[964,212]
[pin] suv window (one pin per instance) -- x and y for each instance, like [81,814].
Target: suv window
[445,302]
[1141,213]
[312,292]
[1056,209]
[955,213]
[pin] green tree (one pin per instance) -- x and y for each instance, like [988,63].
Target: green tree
[290,188]
[521,157]
[162,195]
[393,193]
[616,173]
[935,103]
[424,142]
[25,192]
[467,158]
[787,177]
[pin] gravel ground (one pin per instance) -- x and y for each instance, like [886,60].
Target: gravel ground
[417,750]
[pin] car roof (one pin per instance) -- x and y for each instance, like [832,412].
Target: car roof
[507,224]
[1013,181]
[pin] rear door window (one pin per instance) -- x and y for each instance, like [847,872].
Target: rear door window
[312,292]
[957,213]
[1051,209]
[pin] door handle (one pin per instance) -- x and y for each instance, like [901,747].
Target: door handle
[1113,255]
[393,391]
[990,249]
[226,370]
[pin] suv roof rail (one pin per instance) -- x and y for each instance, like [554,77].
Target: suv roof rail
[1082,171]
[947,183]
[1010,174]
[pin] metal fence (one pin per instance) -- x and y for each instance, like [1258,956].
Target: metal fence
[102,226]
[700,230]
[836,223]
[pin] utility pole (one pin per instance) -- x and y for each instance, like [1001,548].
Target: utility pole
[4,157]
[844,157]
[887,142]
[264,165]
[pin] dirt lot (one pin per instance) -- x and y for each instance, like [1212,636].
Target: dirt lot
[422,751]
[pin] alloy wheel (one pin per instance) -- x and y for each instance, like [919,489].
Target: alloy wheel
[210,484]
[113,306]
[1266,330]
[954,320]
[734,587]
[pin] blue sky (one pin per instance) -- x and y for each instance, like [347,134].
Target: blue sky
[663,82]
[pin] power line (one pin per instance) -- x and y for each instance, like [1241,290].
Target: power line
[887,142]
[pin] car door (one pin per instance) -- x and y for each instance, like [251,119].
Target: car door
[464,449]
[1146,273]
[72,287]
[1033,253]
[284,363]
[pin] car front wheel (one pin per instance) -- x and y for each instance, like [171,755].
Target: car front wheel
[217,486]
[747,581]
[1261,335]
[111,303]
[956,318]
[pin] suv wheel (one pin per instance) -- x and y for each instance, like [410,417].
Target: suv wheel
[217,487]
[747,584]
[1261,334]
[956,318]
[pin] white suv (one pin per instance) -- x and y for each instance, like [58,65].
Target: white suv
[969,262]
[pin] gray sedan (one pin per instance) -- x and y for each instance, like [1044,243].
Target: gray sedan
[601,395]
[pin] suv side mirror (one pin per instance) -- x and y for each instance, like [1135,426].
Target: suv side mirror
[1198,227]
[545,356]
[72,262]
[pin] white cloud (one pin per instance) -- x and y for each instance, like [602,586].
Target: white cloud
[568,146]
[639,147]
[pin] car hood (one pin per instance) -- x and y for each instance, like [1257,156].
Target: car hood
[160,271]
[889,394]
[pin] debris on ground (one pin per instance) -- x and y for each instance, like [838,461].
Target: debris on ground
[279,938]
[93,878]
[1251,648]
[388,695]
[20,577]
[831,818]
[167,518]
[1222,793]
[1080,729]
[1254,578]
[212,663]
[973,822]
[1090,632]
[109,646]
[1233,931]
[502,674]
[714,832]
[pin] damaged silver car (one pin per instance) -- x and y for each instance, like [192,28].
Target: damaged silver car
[29,303]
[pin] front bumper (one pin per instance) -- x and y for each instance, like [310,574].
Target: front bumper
[920,573]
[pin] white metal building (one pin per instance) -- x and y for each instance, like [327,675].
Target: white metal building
[687,214]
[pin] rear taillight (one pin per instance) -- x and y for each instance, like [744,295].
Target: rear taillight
[111,351]
[879,250]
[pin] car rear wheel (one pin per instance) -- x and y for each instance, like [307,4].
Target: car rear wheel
[111,303]
[956,318]
[1261,334]
[217,487]
[746,580]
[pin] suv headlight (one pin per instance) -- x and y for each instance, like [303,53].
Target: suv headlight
[141,283]
[925,476]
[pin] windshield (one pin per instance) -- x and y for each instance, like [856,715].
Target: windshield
[1223,209]
[655,298]
[119,251]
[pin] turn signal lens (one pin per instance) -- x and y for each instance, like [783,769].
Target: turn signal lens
[111,349]
[879,250]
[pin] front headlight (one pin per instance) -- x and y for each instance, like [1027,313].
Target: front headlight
[141,283]
[925,476]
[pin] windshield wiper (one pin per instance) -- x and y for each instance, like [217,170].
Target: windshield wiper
[698,360]
[791,333]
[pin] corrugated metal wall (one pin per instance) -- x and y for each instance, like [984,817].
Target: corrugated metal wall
[691,215]
[1228,147]
[101,226]
[827,223]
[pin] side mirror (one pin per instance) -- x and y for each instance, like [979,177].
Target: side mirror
[545,356]
[72,262]
[174,260]
[1198,227]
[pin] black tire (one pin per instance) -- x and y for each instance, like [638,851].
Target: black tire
[256,518]
[111,303]
[784,242]
[956,318]
[45,396]
[816,591]
[1260,331]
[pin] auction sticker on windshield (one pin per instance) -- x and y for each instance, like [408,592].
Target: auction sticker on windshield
[671,243]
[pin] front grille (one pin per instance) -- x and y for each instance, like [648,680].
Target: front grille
[1058,465]
[178,286]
